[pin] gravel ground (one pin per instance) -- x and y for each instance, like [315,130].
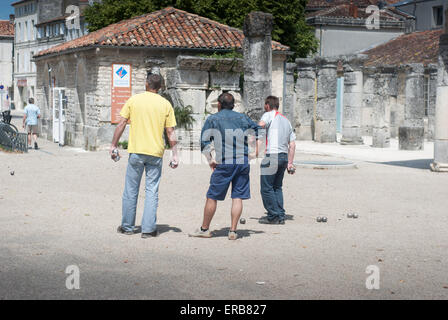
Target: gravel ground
[62,206]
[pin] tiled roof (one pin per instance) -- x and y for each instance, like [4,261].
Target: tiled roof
[416,47]
[6,28]
[343,11]
[166,28]
[321,4]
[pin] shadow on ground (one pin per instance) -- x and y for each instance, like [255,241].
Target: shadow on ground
[287,217]
[242,233]
[414,164]
[163,228]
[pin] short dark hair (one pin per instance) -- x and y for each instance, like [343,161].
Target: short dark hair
[272,102]
[31,100]
[226,100]
[154,81]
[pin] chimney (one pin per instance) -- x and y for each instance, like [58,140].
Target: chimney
[11,18]
[353,10]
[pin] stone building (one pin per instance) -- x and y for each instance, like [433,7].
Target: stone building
[428,13]
[344,27]
[170,41]
[388,91]
[6,61]
[39,24]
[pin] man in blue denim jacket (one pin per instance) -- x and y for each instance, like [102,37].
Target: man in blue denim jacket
[228,133]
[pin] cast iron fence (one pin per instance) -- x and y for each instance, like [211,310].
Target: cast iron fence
[11,139]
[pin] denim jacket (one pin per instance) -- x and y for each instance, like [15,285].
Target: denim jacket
[229,131]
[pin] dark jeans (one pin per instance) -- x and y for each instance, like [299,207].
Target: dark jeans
[273,169]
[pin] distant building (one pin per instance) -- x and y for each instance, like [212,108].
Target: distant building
[429,14]
[39,25]
[341,26]
[6,61]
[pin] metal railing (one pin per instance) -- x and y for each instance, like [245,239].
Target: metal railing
[11,139]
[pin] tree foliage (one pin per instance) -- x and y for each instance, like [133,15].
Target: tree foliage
[289,16]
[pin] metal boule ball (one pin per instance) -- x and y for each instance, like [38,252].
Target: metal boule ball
[11,173]
[319,219]
[349,215]
[355,216]
[324,219]
[242,221]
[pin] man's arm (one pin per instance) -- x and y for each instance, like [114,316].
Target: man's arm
[291,154]
[206,143]
[171,135]
[117,134]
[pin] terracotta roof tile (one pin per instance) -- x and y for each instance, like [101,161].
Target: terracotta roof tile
[321,4]
[343,11]
[6,28]
[416,47]
[166,28]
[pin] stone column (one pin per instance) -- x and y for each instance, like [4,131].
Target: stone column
[411,134]
[305,94]
[257,49]
[353,100]
[441,118]
[432,94]
[325,112]
[290,94]
[381,111]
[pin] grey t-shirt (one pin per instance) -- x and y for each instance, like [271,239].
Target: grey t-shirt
[279,132]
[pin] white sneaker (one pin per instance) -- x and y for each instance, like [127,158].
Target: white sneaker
[201,234]
[233,235]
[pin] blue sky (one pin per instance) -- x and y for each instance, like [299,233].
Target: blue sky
[6,9]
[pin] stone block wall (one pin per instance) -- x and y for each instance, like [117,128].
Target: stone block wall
[198,82]
[377,100]
[189,80]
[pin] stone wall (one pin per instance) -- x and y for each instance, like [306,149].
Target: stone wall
[197,82]
[86,77]
[377,100]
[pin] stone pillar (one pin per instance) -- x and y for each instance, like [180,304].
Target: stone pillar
[353,100]
[411,134]
[325,113]
[305,99]
[257,49]
[441,118]
[432,94]
[381,111]
[290,94]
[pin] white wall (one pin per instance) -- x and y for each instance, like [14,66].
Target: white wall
[342,40]
[6,46]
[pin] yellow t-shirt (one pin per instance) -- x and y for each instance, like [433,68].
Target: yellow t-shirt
[150,114]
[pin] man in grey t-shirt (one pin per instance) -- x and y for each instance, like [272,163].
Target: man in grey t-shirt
[280,150]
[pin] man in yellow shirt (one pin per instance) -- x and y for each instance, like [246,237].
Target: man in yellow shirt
[149,114]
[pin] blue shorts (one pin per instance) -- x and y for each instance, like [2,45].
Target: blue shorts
[224,174]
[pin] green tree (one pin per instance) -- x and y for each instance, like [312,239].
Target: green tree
[290,27]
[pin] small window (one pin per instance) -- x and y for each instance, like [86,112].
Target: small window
[438,16]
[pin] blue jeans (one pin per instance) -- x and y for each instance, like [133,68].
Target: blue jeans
[153,167]
[273,169]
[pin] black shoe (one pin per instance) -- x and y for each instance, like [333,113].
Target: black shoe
[128,233]
[266,220]
[149,235]
[35,146]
